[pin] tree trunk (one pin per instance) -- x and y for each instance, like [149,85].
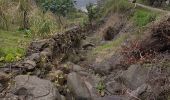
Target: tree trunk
[60,21]
[25,20]
[5,21]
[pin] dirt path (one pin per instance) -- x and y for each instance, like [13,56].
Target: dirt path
[152,8]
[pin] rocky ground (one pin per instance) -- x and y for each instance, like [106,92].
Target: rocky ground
[74,66]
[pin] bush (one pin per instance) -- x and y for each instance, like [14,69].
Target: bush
[11,54]
[92,12]
[143,17]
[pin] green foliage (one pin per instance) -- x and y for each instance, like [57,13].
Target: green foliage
[101,87]
[92,12]
[12,46]
[142,17]
[9,54]
[9,57]
[59,7]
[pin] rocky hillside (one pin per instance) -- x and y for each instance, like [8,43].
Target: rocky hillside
[124,56]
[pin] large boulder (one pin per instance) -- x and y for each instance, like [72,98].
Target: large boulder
[78,87]
[71,67]
[4,78]
[40,45]
[135,76]
[33,88]
[115,88]
[109,65]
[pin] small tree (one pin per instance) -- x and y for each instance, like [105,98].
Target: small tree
[58,7]
[92,12]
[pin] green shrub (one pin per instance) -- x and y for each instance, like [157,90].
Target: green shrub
[11,54]
[9,57]
[143,17]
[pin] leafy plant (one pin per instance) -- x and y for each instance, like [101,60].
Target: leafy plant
[92,12]
[58,7]
[9,57]
[101,87]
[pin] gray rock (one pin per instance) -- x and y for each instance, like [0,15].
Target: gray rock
[86,45]
[92,82]
[71,67]
[134,77]
[34,57]
[114,87]
[47,52]
[77,68]
[33,88]
[10,96]
[38,45]
[108,65]
[78,87]
[4,78]
[113,97]
[29,65]
[62,97]
[139,90]
[103,67]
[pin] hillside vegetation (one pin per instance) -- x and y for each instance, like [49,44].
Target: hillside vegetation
[24,20]
[117,50]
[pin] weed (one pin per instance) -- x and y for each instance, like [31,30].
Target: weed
[101,88]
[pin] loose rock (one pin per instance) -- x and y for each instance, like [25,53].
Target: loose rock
[134,77]
[33,88]
[113,97]
[78,87]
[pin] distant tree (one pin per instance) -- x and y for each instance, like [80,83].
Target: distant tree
[58,7]
[92,12]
